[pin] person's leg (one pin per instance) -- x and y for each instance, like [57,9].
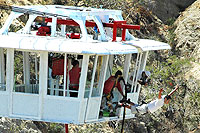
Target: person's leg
[110,105]
[103,102]
[142,109]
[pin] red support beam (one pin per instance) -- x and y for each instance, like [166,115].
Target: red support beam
[115,25]
[92,24]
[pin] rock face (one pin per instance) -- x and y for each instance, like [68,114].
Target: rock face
[187,34]
[166,9]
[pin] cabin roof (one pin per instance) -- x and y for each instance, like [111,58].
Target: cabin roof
[86,45]
[61,44]
[58,44]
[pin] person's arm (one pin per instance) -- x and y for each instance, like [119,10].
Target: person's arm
[120,88]
[176,87]
[160,93]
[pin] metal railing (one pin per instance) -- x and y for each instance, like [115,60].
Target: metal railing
[32,88]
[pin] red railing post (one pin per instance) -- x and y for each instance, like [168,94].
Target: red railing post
[118,24]
[115,31]
[124,32]
[66,128]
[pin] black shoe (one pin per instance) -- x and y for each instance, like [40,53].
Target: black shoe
[100,114]
[112,114]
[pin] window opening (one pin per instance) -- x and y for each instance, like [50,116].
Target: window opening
[134,72]
[63,74]
[118,64]
[113,86]
[91,83]
[26,72]
[65,27]
[55,74]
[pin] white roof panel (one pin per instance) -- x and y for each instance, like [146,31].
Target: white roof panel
[148,45]
[58,44]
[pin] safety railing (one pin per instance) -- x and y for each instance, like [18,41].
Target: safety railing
[59,91]
[32,88]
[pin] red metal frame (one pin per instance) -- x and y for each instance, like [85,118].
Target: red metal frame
[92,24]
[115,25]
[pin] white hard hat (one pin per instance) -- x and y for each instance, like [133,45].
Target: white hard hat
[147,73]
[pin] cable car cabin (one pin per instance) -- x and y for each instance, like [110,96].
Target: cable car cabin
[35,64]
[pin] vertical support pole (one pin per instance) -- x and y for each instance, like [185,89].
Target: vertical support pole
[36,69]
[63,27]
[66,128]
[93,75]
[42,80]
[114,31]
[103,74]
[26,70]
[144,60]
[69,68]
[142,66]
[135,72]
[138,72]
[10,77]
[83,76]
[102,78]
[53,26]
[65,75]
[82,83]
[2,67]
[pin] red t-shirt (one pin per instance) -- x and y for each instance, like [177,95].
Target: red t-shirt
[108,85]
[74,75]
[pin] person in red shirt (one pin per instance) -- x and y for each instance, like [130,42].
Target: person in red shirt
[74,75]
[109,85]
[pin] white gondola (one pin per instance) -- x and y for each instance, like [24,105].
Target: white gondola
[46,98]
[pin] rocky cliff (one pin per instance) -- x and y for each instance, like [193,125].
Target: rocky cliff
[166,9]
